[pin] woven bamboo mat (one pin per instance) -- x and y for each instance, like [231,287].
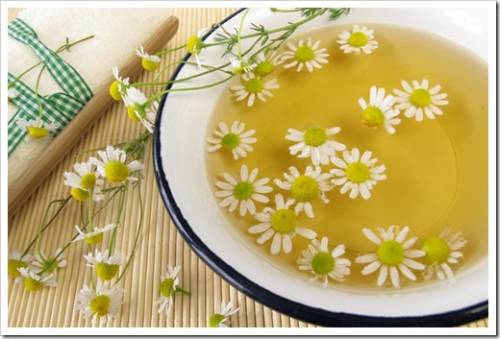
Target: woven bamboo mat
[160,245]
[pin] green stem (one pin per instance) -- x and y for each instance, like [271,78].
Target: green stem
[169,50]
[179,289]
[37,94]
[112,240]
[238,34]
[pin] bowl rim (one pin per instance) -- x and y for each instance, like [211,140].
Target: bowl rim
[289,307]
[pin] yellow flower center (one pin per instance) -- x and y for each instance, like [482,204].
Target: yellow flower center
[215,320]
[315,136]
[114,90]
[32,285]
[284,221]
[106,271]
[357,172]
[167,287]
[304,53]
[420,97]
[88,181]
[93,239]
[323,263]
[358,39]
[243,190]
[134,112]
[254,85]
[149,65]
[13,267]
[373,116]
[305,188]
[230,141]
[436,250]
[116,171]
[79,194]
[194,44]
[390,252]
[37,132]
[264,68]
[99,305]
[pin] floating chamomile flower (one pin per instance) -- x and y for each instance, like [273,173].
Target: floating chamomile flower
[84,182]
[49,264]
[106,265]
[357,174]
[306,187]
[221,315]
[95,236]
[149,61]
[169,285]
[266,62]
[139,109]
[234,139]
[119,86]
[37,128]
[379,111]
[418,100]
[100,304]
[360,39]
[254,87]
[33,281]
[314,143]
[442,251]
[112,165]
[243,192]
[306,54]
[280,224]
[17,261]
[323,263]
[392,256]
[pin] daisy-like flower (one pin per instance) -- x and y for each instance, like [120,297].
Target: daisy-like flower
[393,255]
[138,108]
[314,143]
[84,182]
[306,187]
[239,65]
[323,263]
[101,304]
[95,236]
[119,86]
[194,45]
[168,287]
[234,139]
[305,54]
[106,265]
[254,87]
[281,224]
[379,111]
[360,39]
[357,174]
[112,165]
[243,192]
[266,62]
[17,261]
[419,99]
[221,315]
[442,251]
[149,61]
[47,264]
[33,282]
[37,128]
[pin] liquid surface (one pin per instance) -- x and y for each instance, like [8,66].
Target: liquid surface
[436,169]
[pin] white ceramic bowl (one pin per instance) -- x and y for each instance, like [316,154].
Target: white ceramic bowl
[179,153]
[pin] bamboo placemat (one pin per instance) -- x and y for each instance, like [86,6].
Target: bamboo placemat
[160,245]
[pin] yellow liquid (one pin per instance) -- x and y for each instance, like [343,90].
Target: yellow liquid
[436,169]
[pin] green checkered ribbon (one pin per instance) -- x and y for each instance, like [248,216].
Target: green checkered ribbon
[59,107]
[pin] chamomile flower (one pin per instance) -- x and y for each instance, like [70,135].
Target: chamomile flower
[393,255]
[323,263]
[304,54]
[418,99]
[101,304]
[357,174]
[169,285]
[194,45]
[281,224]
[358,40]
[84,182]
[95,236]
[306,187]
[243,191]
[112,165]
[149,61]
[233,138]
[37,128]
[138,108]
[379,111]
[253,87]
[221,315]
[17,261]
[106,265]
[314,143]
[33,281]
[239,65]
[119,86]
[48,264]
[265,63]
[442,251]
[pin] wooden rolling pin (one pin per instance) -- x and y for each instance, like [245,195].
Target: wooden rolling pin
[22,188]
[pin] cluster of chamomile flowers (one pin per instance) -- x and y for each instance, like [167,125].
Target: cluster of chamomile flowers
[353,172]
